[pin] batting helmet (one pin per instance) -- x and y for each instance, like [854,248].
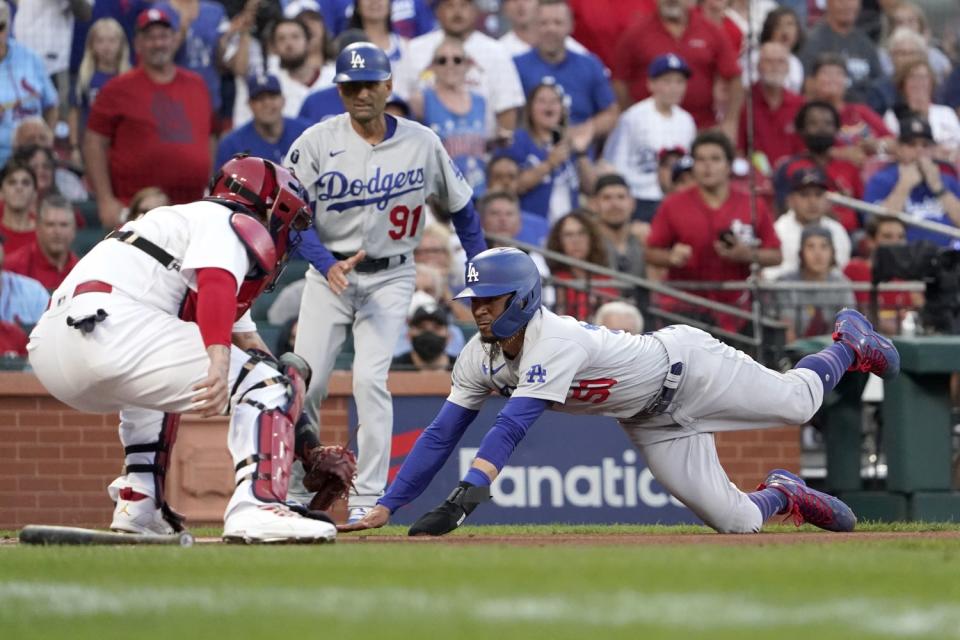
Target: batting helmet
[362,62]
[495,272]
[268,191]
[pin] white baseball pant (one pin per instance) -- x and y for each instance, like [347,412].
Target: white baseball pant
[720,389]
[143,362]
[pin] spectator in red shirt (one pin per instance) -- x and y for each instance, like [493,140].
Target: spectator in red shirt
[715,11]
[704,47]
[862,132]
[13,341]
[597,24]
[774,108]
[817,124]
[49,259]
[575,235]
[706,232]
[149,126]
[18,188]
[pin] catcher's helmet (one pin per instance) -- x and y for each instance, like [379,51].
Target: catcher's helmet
[362,62]
[266,190]
[495,272]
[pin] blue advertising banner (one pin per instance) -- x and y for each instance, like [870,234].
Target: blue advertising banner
[568,469]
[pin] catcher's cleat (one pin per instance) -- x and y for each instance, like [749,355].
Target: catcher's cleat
[809,505]
[274,522]
[875,354]
[138,513]
[357,514]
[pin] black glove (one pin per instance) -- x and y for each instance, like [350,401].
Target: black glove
[307,512]
[451,514]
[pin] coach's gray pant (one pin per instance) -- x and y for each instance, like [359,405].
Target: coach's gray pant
[376,305]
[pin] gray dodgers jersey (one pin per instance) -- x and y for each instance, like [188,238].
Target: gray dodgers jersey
[579,367]
[372,197]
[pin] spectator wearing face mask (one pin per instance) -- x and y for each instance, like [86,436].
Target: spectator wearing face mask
[817,124]
[428,329]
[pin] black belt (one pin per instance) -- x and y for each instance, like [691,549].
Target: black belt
[372,265]
[669,389]
[152,250]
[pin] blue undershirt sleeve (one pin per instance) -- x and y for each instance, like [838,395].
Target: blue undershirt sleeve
[429,453]
[312,250]
[467,223]
[516,417]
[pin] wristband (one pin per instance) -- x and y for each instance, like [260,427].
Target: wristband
[938,194]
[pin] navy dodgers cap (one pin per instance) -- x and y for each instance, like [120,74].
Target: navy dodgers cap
[668,62]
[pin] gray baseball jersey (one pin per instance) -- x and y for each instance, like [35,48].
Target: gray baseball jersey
[372,197]
[579,367]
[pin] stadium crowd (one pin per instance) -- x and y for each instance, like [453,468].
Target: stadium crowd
[674,140]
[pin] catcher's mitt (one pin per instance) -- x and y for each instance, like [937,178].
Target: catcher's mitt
[329,473]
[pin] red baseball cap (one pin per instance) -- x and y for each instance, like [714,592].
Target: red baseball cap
[153,16]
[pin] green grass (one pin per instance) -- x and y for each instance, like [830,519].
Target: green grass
[605,529]
[903,588]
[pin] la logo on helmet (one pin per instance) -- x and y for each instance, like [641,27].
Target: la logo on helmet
[472,274]
[357,61]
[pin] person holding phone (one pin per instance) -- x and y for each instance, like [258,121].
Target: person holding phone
[553,160]
[916,184]
[707,233]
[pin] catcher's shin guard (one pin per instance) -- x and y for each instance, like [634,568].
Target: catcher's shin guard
[154,458]
[270,405]
[269,468]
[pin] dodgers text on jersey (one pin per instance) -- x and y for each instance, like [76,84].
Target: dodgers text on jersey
[379,189]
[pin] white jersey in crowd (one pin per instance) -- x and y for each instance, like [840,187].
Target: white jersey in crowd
[372,197]
[634,144]
[789,230]
[198,235]
[492,73]
[944,124]
[581,368]
[46,28]
[514,46]
[294,91]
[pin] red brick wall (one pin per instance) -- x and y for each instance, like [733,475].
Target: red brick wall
[748,455]
[55,463]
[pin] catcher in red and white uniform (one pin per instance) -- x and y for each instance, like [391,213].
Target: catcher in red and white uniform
[155,322]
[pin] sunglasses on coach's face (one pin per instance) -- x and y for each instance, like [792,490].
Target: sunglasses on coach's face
[454,60]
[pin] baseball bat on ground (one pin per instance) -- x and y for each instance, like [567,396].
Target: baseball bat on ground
[45,535]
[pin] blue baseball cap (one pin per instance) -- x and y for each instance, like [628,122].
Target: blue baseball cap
[263,84]
[665,64]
